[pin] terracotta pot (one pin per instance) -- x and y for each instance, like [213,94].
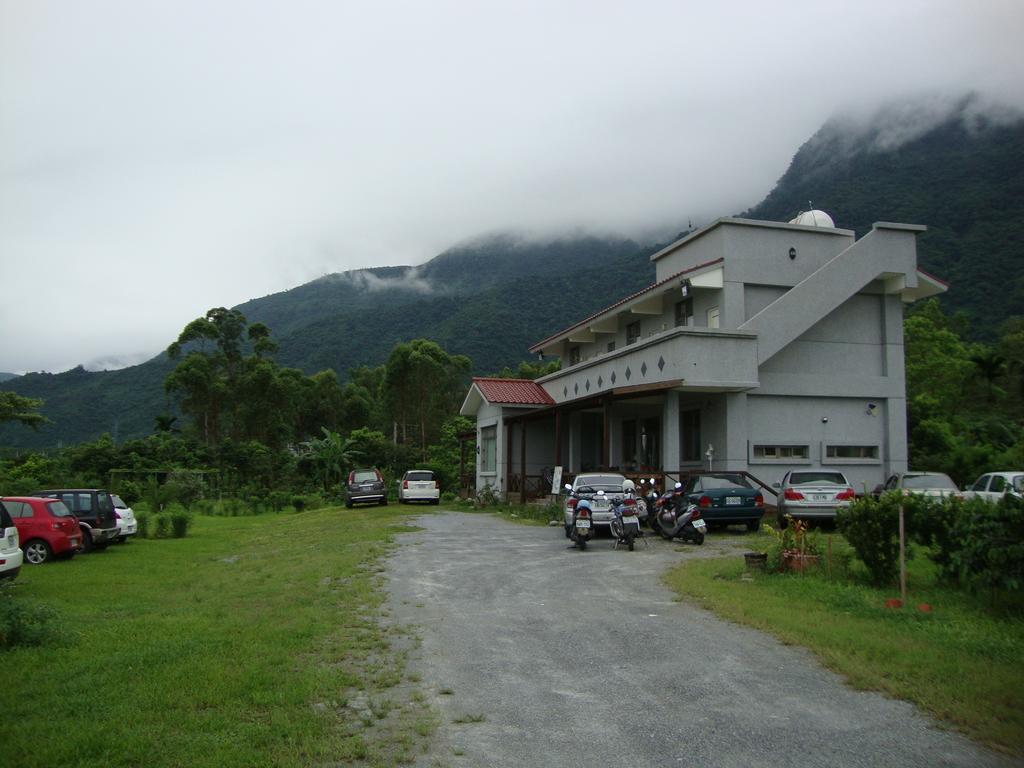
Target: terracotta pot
[798,563]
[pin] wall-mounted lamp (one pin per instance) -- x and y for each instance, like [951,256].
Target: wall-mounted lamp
[792,253]
[824,419]
[684,288]
[540,356]
[872,409]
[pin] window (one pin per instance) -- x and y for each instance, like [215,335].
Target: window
[689,437]
[850,454]
[713,317]
[489,449]
[684,312]
[998,484]
[632,332]
[781,452]
[981,483]
[629,452]
[611,346]
[574,355]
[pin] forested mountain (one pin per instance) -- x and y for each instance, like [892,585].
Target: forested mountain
[958,171]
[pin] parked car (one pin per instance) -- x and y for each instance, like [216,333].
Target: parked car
[126,524]
[994,485]
[725,498]
[365,486]
[10,554]
[586,486]
[932,484]
[46,527]
[95,512]
[419,485]
[812,494]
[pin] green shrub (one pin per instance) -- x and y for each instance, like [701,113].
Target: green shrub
[872,528]
[162,526]
[180,522]
[278,500]
[447,497]
[25,624]
[142,522]
[299,503]
[989,545]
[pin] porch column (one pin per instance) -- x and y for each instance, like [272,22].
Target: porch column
[606,432]
[670,432]
[558,438]
[522,462]
[508,457]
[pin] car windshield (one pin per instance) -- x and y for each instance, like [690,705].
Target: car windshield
[929,481]
[366,476]
[600,482]
[58,508]
[825,478]
[719,482]
[419,475]
[117,501]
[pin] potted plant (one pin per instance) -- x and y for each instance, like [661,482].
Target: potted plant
[793,548]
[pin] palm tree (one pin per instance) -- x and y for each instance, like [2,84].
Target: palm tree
[333,456]
[990,365]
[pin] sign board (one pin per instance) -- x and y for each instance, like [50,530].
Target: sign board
[556,481]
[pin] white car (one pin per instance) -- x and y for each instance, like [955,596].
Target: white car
[419,485]
[126,524]
[586,486]
[992,486]
[10,551]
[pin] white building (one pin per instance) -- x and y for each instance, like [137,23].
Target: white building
[761,346]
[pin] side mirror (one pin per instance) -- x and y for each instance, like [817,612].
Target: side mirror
[678,486]
[777,486]
[567,487]
[600,493]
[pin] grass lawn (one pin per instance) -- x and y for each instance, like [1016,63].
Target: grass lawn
[254,641]
[960,662]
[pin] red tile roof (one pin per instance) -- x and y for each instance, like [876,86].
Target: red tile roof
[513,391]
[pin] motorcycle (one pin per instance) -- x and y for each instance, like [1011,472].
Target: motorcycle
[650,501]
[581,527]
[675,519]
[625,523]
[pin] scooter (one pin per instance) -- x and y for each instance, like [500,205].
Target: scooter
[581,528]
[675,519]
[625,524]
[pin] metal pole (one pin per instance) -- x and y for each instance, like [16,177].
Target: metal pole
[903,561]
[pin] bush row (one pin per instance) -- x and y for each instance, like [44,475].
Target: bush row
[975,543]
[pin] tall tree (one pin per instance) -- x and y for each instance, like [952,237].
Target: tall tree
[24,410]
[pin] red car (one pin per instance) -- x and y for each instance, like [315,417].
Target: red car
[46,527]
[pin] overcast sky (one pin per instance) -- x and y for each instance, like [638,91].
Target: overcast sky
[161,158]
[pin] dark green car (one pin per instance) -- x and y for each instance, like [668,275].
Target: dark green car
[725,498]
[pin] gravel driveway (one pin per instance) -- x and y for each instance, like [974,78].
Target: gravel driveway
[538,655]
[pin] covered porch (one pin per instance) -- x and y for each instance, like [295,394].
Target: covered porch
[655,431]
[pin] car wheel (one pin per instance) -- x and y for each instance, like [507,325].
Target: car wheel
[122,539]
[348,503]
[86,540]
[783,522]
[383,502]
[37,551]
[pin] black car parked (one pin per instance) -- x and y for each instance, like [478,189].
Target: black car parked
[365,486]
[95,512]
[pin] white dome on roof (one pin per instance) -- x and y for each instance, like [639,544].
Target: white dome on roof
[814,218]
